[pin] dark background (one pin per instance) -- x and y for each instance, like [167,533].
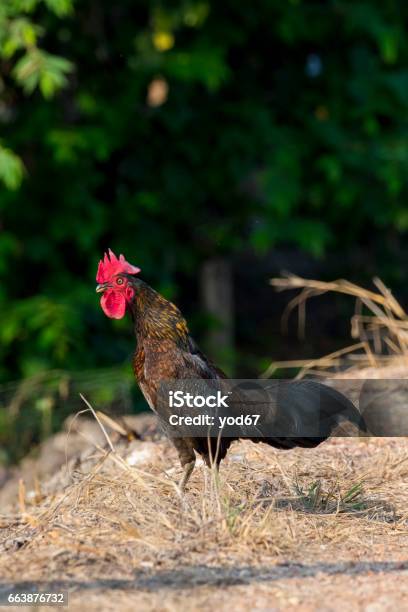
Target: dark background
[215,144]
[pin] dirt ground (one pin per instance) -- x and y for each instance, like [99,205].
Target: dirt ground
[321,529]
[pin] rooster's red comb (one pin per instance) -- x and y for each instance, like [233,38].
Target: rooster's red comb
[111,265]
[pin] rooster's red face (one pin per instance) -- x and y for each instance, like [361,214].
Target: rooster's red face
[115,284]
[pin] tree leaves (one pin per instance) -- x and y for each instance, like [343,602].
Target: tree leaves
[34,69]
[185,130]
[40,69]
[11,168]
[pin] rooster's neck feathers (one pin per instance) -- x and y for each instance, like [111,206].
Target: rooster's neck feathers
[157,318]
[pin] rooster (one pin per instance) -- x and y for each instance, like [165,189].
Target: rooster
[166,351]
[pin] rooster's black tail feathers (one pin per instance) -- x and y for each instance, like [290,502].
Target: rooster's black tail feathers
[307,413]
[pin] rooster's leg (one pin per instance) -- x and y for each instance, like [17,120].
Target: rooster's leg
[187,459]
[188,469]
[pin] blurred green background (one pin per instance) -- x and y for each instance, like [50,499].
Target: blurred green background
[214,144]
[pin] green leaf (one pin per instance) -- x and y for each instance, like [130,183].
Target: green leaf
[40,69]
[206,65]
[11,168]
[60,7]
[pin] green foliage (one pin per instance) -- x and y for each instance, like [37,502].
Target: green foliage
[34,67]
[11,168]
[52,327]
[43,70]
[176,131]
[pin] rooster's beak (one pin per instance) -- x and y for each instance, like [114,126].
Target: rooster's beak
[102,287]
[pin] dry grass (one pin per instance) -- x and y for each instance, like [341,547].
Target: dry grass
[379,324]
[121,525]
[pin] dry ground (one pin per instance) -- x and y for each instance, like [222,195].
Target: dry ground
[322,529]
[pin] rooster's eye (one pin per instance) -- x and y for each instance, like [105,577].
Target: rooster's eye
[119,281]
